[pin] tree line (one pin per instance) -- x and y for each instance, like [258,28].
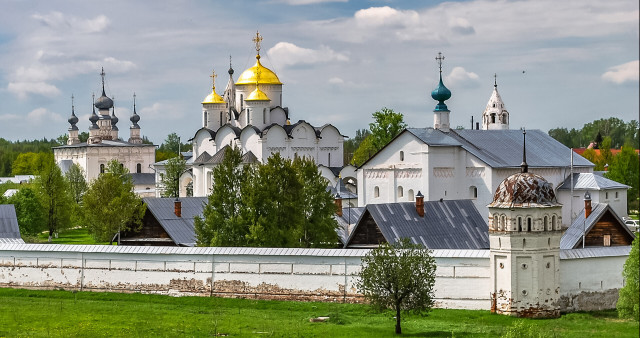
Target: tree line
[620,132]
[279,203]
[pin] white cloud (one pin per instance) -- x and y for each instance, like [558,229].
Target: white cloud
[459,76]
[23,89]
[336,80]
[626,72]
[58,21]
[9,117]
[42,116]
[287,54]
[385,16]
[161,111]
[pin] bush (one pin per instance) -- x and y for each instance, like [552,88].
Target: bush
[629,296]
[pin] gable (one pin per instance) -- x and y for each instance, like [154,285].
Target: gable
[607,225]
[366,232]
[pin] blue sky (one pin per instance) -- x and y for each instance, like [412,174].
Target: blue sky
[559,63]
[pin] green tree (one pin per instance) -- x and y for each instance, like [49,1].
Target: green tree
[110,205]
[30,163]
[318,227]
[53,192]
[31,216]
[387,124]
[591,155]
[83,136]
[77,188]
[606,157]
[629,296]
[625,168]
[222,224]
[352,144]
[400,277]
[170,179]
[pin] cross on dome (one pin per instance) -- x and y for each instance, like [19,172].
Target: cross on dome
[213,79]
[495,80]
[439,59]
[257,41]
[102,74]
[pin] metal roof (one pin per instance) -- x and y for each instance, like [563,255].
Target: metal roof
[143,178]
[349,216]
[572,237]
[590,181]
[434,137]
[9,228]
[605,251]
[450,224]
[106,143]
[203,158]
[180,229]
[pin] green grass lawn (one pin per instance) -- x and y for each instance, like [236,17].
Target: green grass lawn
[68,236]
[85,314]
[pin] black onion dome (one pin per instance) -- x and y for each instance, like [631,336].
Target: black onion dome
[104,102]
[114,119]
[524,188]
[135,118]
[73,120]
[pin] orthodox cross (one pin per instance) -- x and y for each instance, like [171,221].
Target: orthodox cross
[102,74]
[72,102]
[257,41]
[439,59]
[213,79]
[134,102]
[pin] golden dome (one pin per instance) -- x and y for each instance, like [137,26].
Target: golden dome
[257,95]
[213,98]
[258,74]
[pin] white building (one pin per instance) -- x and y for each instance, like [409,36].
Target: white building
[104,144]
[443,163]
[251,116]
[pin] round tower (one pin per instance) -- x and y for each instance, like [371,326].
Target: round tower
[214,108]
[441,94]
[524,232]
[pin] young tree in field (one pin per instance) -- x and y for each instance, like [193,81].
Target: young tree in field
[110,205]
[629,296]
[222,224]
[170,179]
[400,277]
[318,227]
[53,192]
[31,217]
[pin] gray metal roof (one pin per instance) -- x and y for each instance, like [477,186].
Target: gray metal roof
[9,228]
[590,181]
[349,216]
[180,229]
[572,237]
[451,224]
[503,148]
[341,190]
[143,178]
[106,143]
[434,137]
[203,158]
[605,251]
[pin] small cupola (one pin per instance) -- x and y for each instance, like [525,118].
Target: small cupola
[587,204]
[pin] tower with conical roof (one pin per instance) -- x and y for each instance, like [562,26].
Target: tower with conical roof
[441,94]
[524,234]
[214,108]
[495,115]
[229,95]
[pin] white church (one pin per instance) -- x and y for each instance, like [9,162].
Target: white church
[250,115]
[452,164]
[105,144]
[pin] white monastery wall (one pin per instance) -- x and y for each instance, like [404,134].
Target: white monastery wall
[462,276]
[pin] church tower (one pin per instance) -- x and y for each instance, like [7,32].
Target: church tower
[73,129]
[441,94]
[214,108]
[524,234]
[104,104]
[495,115]
[134,130]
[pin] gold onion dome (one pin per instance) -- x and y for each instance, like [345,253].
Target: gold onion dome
[257,95]
[250,76]
[213,97]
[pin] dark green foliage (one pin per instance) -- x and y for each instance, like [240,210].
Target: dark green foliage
[53,192]
[30,163]
[9,151]
[625,168]
[620,133]
[110,205]
[170,179]
[629,297]
[350,145]
[400,277]
[276,204]
[171,146]
[77,188]
[32,218]
[387,124]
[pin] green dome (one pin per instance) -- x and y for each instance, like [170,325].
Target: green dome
[441,94]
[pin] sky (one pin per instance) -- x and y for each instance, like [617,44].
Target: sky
[558,63]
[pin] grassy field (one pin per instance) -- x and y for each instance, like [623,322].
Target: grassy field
[84,314]
[68,236]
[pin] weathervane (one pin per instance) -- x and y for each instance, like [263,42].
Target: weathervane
[439,59]
[257,41]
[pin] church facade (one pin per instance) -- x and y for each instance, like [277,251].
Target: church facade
[104,143]
[444,163]
[251,116]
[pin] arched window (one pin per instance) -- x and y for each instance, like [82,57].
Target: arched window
[264,115]
[102,168]
[401,155]
[546,223]
[248,116]
[529,228]
[400,192]
[473,192]
[496,222]
[493,118]
[329,160]
[504,118]
[220,119]
[206,114]
[503,222]
[241,101]
[494,105]
[376,192]
[410,196]
[519,223]
[553,222]
[139,168]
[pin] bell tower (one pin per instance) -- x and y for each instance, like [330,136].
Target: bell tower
[524,235]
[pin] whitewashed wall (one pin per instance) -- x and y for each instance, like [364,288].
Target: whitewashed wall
[462,276]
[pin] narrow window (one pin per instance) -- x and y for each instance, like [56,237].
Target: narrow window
[606,195]
[493,118]
[529,224]
[607,240]
[553,222]
[519,224]
[264,116]
[401,155]
[241,101]
[376,192]
[248,116]
[206,114]
[494,105]
[138,168]
[616,194]
[546,223]
[220,119]
[102,168]
[400,192]
[329,160]
[410,195]
[473,192]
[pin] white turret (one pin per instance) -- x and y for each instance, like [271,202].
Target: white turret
[495,115]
